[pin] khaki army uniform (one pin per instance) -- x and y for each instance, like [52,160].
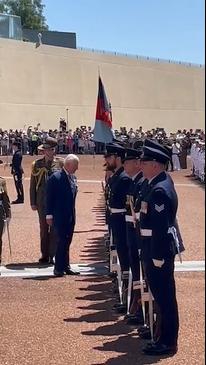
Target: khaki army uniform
[5,210]
[41,170]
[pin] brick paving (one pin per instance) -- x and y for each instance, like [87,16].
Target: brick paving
[57,321]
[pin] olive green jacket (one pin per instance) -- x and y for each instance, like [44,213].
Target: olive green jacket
[41,170]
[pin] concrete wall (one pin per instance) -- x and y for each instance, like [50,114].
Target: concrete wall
[38,84]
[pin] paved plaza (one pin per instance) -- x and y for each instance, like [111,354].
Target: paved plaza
[69,321]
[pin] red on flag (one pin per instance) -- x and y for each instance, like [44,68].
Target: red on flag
[103,123]
[103,111]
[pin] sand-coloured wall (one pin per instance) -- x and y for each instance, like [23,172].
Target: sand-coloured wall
[37,85]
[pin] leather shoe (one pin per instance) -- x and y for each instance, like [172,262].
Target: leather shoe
[135,320]
[159,349]
[58,274]
[71,272]
[121,309]
[146,335]
[44,260]
[112,275]
[17,201]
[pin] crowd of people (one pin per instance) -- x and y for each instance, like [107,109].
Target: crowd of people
[80,141]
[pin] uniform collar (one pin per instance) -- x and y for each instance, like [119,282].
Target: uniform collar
[161,176]
[119,171]
[137,176]
[67,173]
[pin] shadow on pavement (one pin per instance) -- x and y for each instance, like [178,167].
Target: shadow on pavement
[24,265]
[115,336]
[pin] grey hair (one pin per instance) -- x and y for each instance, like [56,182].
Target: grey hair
[71,158]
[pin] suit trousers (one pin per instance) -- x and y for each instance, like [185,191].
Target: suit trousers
[48,236]
[162,284]
[62,259]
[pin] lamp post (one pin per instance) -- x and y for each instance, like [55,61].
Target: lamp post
[67,118]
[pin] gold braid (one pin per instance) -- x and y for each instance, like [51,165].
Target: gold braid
[38,174]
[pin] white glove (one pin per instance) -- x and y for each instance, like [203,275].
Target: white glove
[158,263]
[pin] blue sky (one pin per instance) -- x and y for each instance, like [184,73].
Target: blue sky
[168,29]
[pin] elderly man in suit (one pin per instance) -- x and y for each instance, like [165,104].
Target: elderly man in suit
[61,195]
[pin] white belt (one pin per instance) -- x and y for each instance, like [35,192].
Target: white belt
[137,215]
[129,218]
[146,232]
[116,210]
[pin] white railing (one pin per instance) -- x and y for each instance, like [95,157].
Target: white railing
[138,57]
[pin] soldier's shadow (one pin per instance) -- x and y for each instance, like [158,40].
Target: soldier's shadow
[96,305]
[120,338]
[24,265]
[130,348]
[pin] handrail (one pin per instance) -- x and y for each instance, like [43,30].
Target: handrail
[138,57]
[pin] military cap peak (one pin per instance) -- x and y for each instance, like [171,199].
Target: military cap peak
[153,151]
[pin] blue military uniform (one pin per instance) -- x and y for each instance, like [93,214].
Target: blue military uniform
[17,172]
[133,241]
[118,186]
[157,218]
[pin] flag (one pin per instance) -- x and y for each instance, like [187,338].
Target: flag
[103,124]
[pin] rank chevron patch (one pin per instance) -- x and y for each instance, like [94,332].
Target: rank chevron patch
[159,208]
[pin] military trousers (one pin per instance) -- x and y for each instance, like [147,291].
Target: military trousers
[132,243]
[162,284]
[48,237]
[19,186]
[1,234]
[118,227]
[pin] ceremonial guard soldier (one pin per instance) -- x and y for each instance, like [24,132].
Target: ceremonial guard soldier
[5,209]
[118,186]
[160,244]
[132,166]
[17,172]
[41,170]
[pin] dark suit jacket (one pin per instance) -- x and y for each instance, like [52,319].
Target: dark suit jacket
[60,196]
[16,167]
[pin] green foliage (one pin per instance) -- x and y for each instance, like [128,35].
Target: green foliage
[30,11]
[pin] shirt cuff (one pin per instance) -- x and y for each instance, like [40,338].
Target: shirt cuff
[49,216]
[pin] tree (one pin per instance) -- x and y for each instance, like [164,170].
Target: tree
[30,11]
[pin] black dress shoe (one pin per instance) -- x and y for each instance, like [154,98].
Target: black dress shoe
[143,328]
[121,309]
[71,272]
[146,335]
[159,349]
[58,274]
[112,275]
[17,201]
[44,260]
[135,320]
